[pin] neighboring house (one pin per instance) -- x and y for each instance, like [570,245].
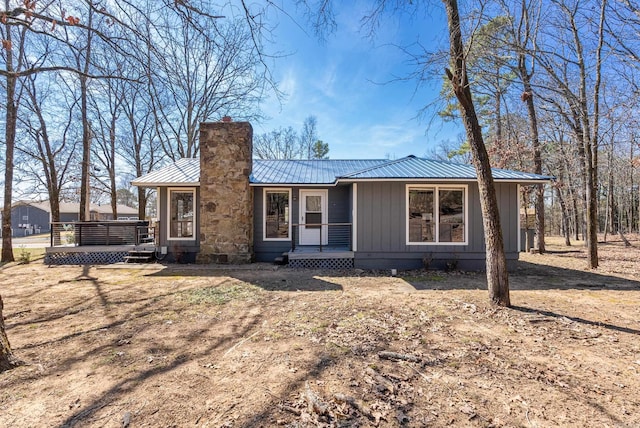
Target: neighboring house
[29,218]
[375,214]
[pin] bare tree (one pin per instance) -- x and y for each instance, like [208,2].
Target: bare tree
[573,101]
[308,136]
[282,143]
[200,71]
[497,276]
[54,153]
[106,107]
[524,31]
[227,64]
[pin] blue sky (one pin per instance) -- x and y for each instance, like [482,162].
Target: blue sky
[342,82]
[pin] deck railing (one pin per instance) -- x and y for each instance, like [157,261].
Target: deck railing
[338,235]
[101,233]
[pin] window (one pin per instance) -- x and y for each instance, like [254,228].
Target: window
[181,213]
[313,212]
[421,224]
[277,214]
[436,215]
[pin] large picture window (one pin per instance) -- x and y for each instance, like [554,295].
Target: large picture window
[181,213]
[277,214]
[436,215]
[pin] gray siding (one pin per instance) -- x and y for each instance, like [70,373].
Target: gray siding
[185,250]
[339,211]
[382,229]
[267,251]
[69,217]
[36,218]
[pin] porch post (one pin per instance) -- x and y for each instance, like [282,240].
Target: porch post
[354,217]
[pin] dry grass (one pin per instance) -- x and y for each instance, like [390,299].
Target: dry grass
[191,345]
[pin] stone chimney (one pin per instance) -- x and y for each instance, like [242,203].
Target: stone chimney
[226,200]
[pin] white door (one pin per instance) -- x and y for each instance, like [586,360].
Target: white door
[313,214]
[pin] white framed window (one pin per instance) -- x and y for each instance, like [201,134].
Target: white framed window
[182,213]
[276,208]
[437,214]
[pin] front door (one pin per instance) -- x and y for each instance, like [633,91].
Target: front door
[313,217]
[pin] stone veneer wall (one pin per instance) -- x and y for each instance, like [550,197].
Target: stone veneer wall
[226,200]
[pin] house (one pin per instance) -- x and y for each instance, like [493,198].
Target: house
[370,213]
[29,218]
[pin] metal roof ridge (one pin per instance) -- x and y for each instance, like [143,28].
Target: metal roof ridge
[371,168]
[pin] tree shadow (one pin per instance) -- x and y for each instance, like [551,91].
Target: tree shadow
[522,276]
[281,279]
[531,276]
[129,383]
[576,319]
[287,280]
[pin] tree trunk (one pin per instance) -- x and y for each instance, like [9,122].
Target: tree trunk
[10,142]
[537,162]
[537,153]
[565,218]
[7,360]
[10,139]
[142,203]
[113,187]
[497,276]
[85,184]
[609,224]
[84,214]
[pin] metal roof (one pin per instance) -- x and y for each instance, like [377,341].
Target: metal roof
[316,171]
[412,167]
[183,172]
[329,171]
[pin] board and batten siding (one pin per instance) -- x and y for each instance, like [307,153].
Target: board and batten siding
[339,211]
[381,223]
[177,248]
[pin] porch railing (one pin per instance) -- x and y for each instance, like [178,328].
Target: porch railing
[338,235]
[116,232]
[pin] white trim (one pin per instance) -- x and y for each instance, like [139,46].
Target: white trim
[324,236]
[166,184]
[195,212]
[158,232]
[519,225]
[264,213]
[436,191]
[440,180]
[405,179]
[354,218]
[299,185]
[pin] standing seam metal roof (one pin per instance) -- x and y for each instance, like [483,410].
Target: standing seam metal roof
[328,171]
[184,171]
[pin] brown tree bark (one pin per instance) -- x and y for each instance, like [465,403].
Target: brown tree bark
[7,360]
[10,142]
[497,276]
[85,189]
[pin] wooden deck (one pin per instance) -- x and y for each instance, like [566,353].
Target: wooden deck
[91,254]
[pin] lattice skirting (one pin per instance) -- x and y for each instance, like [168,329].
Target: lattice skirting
[321,263]
[93,258]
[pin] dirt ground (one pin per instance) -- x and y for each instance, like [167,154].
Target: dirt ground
[179,346]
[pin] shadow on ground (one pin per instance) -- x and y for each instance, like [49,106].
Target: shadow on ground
[266,277]
[524,276]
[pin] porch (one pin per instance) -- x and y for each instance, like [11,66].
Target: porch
[332,249]
[98,242]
